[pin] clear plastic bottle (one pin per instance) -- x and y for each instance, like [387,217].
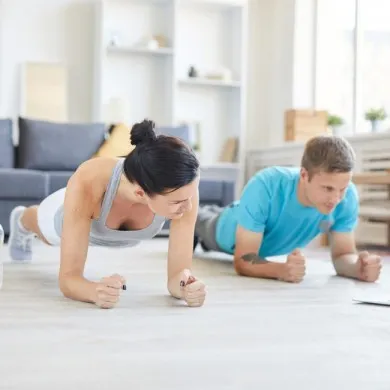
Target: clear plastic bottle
[1,255]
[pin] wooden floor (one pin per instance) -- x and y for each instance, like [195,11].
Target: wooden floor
[251,334]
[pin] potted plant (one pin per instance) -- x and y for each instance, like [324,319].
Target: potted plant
[335,122]
[375,116]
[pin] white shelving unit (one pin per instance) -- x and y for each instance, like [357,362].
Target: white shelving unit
[140,50]
[212,83]
[133,80]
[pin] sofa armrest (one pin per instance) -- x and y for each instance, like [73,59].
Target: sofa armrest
[229,189]
[216,191]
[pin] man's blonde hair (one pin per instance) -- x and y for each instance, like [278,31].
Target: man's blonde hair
[328,154]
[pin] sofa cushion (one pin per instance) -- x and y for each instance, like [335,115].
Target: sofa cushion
[22,184]
[58,180]
[229,188]
[6,144]
[210,191]
[53,146]
[214,191]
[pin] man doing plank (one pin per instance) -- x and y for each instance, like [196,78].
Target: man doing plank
[282,209]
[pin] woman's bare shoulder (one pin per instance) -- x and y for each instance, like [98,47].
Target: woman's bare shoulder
[93,175]
[96,167]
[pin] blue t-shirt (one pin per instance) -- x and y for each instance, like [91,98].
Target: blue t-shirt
[269,204]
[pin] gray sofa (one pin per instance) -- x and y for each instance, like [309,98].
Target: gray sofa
[47,155]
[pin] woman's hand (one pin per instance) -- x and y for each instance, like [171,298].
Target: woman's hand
[193,291]
[108,291]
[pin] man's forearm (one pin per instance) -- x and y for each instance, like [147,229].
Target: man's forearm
[255,266]
[78,288]
[345,265]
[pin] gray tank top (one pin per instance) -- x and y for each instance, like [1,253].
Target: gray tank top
[100,234]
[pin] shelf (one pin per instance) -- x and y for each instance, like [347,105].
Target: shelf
[211,83]
[214,4]
[132,81]
[371,178]
[140,51]
[146,2]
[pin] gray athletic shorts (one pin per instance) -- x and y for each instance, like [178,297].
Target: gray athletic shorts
[206,226]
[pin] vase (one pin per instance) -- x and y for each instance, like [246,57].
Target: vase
[336,130]
[375,125]
[192,72]
[114,39]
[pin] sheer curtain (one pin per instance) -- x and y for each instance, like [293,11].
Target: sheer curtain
[335,59]
[374,54]
[353,61]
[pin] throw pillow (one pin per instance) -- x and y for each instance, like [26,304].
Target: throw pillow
[117,143]
[53,146]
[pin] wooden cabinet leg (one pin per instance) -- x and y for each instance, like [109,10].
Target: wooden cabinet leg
[324,239]
[388,234]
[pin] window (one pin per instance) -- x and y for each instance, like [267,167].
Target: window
[353,61]
[375,60]
[335,58]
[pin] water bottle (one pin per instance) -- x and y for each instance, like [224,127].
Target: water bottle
[1,255]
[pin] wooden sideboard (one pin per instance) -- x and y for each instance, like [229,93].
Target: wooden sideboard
[371,174]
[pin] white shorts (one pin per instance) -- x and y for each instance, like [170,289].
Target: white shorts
[47,211]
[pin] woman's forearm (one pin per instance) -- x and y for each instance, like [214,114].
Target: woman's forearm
[78,288]
[174,285]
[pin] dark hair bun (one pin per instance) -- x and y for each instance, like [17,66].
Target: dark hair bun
[143,133]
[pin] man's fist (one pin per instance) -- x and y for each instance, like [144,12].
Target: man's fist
[294,269]
[193,291]
[108,291]
[368,267]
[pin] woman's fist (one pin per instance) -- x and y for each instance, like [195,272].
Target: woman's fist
[108,291]
[193,290]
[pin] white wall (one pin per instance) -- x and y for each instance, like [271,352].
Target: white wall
[304,54]
[271,70]
[259,70]
[282,66]
[47,30]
